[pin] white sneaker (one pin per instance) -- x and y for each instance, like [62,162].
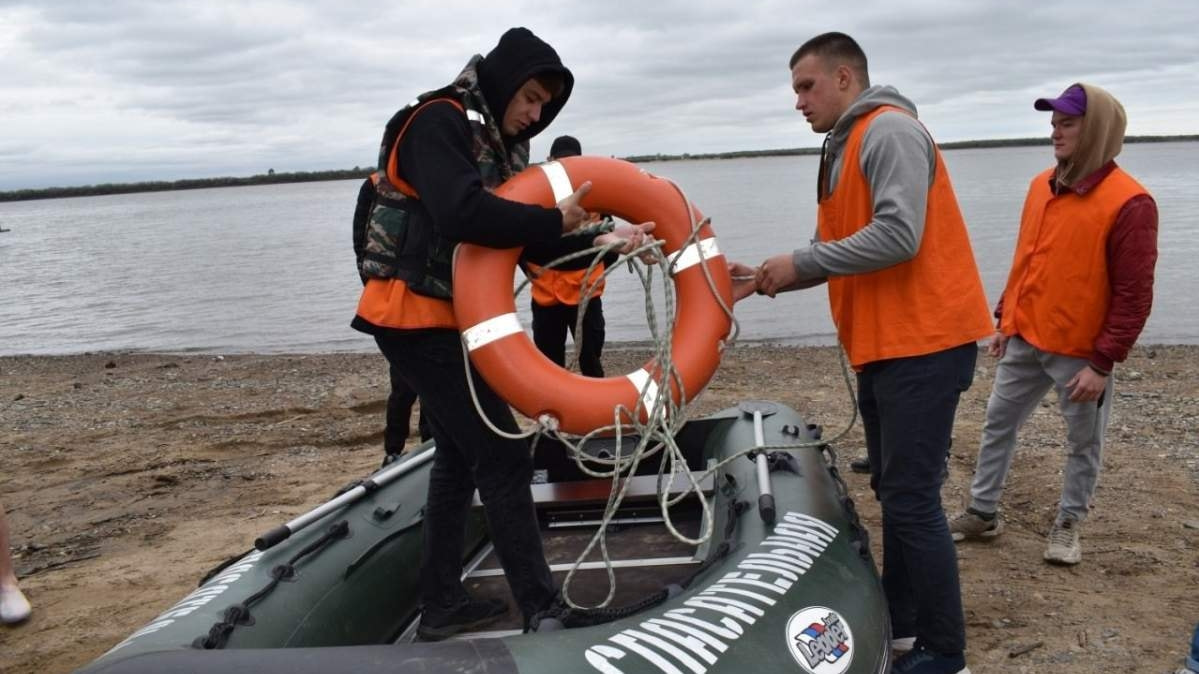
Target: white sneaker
[14,607]
[1064,547]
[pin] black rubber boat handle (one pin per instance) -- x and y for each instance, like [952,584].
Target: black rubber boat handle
[766,508]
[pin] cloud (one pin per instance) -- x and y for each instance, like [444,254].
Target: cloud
[131,89]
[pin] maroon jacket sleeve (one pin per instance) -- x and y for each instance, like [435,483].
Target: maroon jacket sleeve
[1131,258]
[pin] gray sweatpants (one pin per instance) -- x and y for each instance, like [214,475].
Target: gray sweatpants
[1024,375]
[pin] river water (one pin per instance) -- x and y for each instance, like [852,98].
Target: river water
[270,268]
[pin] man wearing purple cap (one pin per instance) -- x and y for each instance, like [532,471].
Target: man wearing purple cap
[1077,297]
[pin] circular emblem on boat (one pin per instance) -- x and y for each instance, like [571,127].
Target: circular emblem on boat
[820,640]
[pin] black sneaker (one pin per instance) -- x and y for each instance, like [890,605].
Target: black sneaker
[552,617]
[442,623]
[861,465]
[921,661]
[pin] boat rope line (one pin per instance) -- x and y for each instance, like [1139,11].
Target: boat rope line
[239,614]
[664,417]
[380,544]
[859,535]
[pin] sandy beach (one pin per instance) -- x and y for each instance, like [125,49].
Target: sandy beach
[126,477]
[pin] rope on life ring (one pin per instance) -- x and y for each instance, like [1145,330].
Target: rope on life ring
[508,359]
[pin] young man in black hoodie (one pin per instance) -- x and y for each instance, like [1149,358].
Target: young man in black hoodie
[443,155]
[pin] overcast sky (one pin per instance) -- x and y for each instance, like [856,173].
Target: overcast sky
[120,90]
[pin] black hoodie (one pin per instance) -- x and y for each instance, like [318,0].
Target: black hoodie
[436,153]
[518,57]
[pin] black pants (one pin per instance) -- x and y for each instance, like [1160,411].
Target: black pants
[549,334]
[469,456]
[908,406]
[399,414]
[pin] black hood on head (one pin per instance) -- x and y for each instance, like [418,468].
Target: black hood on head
[518,57]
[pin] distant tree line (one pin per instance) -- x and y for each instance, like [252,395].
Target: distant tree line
[271,176]
[267,178]
[958,145]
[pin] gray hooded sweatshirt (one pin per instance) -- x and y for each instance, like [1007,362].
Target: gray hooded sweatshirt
[898,158]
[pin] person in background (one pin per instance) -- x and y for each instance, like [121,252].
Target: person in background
[401,399]
[908,304]
[14,607]
[1078,294]
[860,465]
[558,292]
[442,155]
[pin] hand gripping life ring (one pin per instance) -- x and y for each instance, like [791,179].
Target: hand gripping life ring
[507,358]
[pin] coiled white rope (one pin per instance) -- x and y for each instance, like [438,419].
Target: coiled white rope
[664,417]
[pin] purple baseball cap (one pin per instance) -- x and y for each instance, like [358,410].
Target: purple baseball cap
[1073,101]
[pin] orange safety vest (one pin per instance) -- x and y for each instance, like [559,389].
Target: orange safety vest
[1058,291]
[564,286]
[388,302]
[930,303]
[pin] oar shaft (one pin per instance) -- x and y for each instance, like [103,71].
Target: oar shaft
[395,470]
[765,492]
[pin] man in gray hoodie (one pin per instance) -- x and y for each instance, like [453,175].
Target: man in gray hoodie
[1078,294]
[908,304]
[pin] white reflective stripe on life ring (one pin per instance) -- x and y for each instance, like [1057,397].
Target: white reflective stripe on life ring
[690,256]
[496,327]
[644,385]
[559,181]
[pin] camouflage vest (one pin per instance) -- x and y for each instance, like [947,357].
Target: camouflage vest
[398,247]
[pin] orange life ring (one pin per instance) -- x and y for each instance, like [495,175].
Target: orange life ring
[507,358]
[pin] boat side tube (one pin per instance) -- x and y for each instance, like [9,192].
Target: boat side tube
[346,581]
[800,594]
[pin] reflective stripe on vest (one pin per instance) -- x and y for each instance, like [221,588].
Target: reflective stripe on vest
[930,303]
[1058,290]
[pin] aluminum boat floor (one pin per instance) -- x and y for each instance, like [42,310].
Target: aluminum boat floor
[647,558]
